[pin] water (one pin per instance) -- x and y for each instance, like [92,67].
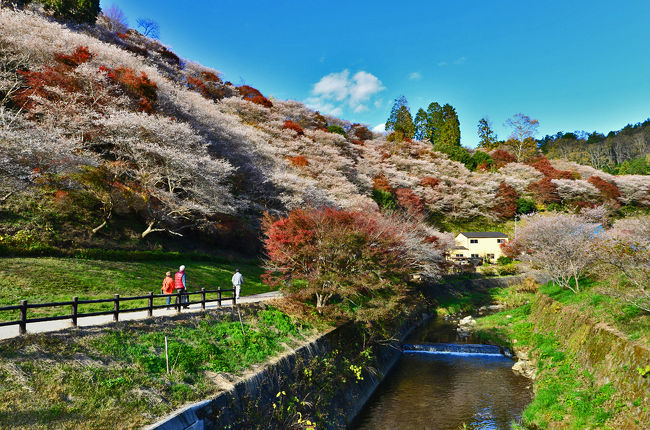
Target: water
[441,391]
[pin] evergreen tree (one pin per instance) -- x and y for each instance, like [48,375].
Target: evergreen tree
[421,127]
[487,137]
[400,119]
[435,121]
[450,132]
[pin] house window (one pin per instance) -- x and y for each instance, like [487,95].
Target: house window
[500,240]
[459,255]
[474,255]
[490,256]
[473,241]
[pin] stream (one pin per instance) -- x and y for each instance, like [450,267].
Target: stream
[445,381]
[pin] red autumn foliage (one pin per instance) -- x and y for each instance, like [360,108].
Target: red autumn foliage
[511,248]
[298,161]
[261,100]
[123,36]
[210,77]
[59,76]
[545,191]
[381,183]
[37,82]
[290,125]
[385,156]
[138,87]
[408,200]
[79,56]
[60,195]
[608,190]
[358,142]
[429,181]
[361,132]
[544,166]
[502,157]
[506,201]
[253,95]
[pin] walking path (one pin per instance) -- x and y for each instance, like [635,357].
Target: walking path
[46,326]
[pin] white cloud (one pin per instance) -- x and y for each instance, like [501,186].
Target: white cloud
[336,90]
[460,60]
[442,64]
[379,128]
[414,76]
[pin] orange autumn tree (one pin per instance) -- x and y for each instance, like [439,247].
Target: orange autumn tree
[354,259]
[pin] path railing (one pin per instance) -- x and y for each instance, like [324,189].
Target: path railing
[24,306]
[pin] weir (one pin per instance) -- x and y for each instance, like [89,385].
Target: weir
[452,348]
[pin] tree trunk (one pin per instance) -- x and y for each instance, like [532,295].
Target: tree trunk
[99,227]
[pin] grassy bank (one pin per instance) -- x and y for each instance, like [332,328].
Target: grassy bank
[115,377]
[50,279]
[567,395]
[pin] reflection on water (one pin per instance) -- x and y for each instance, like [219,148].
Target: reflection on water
[445,391]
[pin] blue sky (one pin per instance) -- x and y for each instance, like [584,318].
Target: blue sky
[573,65]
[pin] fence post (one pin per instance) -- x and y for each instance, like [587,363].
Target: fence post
[234,300]
[22,326]
[179,297]
[219,298]
[74,310]
[116,308]
[202,299]
[150,310]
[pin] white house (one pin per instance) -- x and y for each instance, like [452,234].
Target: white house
[478,244]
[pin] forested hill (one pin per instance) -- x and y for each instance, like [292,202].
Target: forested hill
[625,151]
[109,139]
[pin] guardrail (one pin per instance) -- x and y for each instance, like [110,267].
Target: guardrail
[116,300]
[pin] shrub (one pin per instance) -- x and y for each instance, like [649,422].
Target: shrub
[408,200]
[298,161]
[381,183]
[361,132]
[503,260]
[528,285]
[508,269]
[290,125]
[170,56]
[454,152]
[525,206]
[502,157]
[138,87]
[480,160]
[79,56]
[429,181]
[544,166]
[336,129]
[39,84]
[545,191]
[608,190]
[384,199]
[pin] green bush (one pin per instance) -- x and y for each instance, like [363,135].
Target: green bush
[384,199]
[336,129]
[456,153]
[478,159]
[525,206]
[503,260]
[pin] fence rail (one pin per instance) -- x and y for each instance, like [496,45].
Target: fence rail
[24,306]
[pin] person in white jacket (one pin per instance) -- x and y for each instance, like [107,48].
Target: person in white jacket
[237,281]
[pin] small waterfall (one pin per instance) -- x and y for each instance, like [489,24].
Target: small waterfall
[452,348]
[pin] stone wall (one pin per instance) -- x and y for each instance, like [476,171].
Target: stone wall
[222,410]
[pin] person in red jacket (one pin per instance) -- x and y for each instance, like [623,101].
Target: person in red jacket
[181,287]
[168,287]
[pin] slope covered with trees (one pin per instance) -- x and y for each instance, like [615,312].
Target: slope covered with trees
[109,139]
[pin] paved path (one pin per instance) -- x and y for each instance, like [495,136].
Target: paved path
[41,327]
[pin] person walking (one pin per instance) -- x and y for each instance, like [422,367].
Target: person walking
[180,286]
[168,287]
[237,281]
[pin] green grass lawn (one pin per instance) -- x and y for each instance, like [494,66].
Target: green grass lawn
[49,279]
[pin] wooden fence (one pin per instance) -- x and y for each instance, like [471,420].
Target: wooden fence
[116,300]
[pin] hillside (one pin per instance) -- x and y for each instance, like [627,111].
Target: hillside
[111,140]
